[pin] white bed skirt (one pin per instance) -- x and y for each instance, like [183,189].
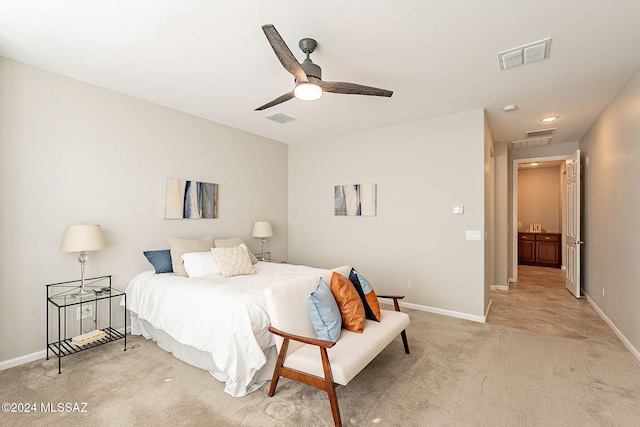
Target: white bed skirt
[203,360]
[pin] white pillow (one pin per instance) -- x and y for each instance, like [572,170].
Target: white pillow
[180,247]
[231,242]
[233,261]
[200,264]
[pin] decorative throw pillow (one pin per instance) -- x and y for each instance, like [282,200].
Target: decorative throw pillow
[367,295]
[161,260]
[233,261]
[180,247]
[200,264]
[324,313]
[232,242]
[349,303]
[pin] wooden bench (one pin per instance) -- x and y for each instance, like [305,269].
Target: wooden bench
[318,363]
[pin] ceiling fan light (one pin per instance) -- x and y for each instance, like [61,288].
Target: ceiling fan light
[308,91]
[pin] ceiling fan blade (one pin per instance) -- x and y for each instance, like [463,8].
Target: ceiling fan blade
[353,89]
[278,100]
[282,51]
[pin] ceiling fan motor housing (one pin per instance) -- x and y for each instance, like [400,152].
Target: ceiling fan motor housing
[311,69]
[308,45]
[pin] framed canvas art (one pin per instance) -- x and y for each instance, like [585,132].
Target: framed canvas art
[355,200]
[190,199]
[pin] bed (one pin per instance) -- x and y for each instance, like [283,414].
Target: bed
[215,323]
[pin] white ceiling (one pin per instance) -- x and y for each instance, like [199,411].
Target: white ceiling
[210,58]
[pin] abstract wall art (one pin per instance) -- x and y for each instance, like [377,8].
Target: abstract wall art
[355,200]
[190,199]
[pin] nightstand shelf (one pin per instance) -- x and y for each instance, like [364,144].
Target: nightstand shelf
[66,347]
[266,257]
[70,315]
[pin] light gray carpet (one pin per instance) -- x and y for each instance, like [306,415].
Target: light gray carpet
[459,373]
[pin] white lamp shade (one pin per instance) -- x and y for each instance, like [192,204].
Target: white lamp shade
[307,91]
[78,238]
[262,229]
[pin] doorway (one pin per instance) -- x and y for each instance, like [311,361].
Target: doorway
[519,225]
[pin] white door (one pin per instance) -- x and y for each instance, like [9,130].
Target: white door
[572,237]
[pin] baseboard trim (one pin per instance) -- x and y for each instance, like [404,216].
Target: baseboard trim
[486,312]
[615,329]
[21,360]
[38,355]
[499,287]
[450,313]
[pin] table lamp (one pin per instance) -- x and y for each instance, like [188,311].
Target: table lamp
[262,230]
[82,238]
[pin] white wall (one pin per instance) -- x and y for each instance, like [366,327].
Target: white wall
[610,156]
[422,170]
[75,153]
[539,198]
[490,214]
[501,257]
[552,150]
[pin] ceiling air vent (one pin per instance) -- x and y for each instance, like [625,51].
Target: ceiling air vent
[530,143]
[539,133]
[526,54]
[279,118]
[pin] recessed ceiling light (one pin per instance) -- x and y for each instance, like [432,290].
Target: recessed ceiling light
[550,119]
[511,107]
[534,164]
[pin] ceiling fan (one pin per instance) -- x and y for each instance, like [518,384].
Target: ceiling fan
[308,76]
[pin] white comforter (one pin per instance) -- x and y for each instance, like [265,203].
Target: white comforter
[225,317]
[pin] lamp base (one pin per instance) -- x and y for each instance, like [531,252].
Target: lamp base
[83,293]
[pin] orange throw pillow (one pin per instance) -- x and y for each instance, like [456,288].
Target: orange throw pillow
[349,303]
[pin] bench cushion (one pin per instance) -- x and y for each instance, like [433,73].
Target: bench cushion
[353,351]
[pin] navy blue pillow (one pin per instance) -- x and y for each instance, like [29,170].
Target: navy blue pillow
[161,260]
[367,295]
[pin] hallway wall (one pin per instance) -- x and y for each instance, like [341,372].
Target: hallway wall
[610,155]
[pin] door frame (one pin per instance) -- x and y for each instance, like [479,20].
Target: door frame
[514,209]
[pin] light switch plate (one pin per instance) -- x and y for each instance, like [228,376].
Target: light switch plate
[458,210]
[474,235]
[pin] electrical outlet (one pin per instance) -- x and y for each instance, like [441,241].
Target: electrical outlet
[87,311]
[409,284]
